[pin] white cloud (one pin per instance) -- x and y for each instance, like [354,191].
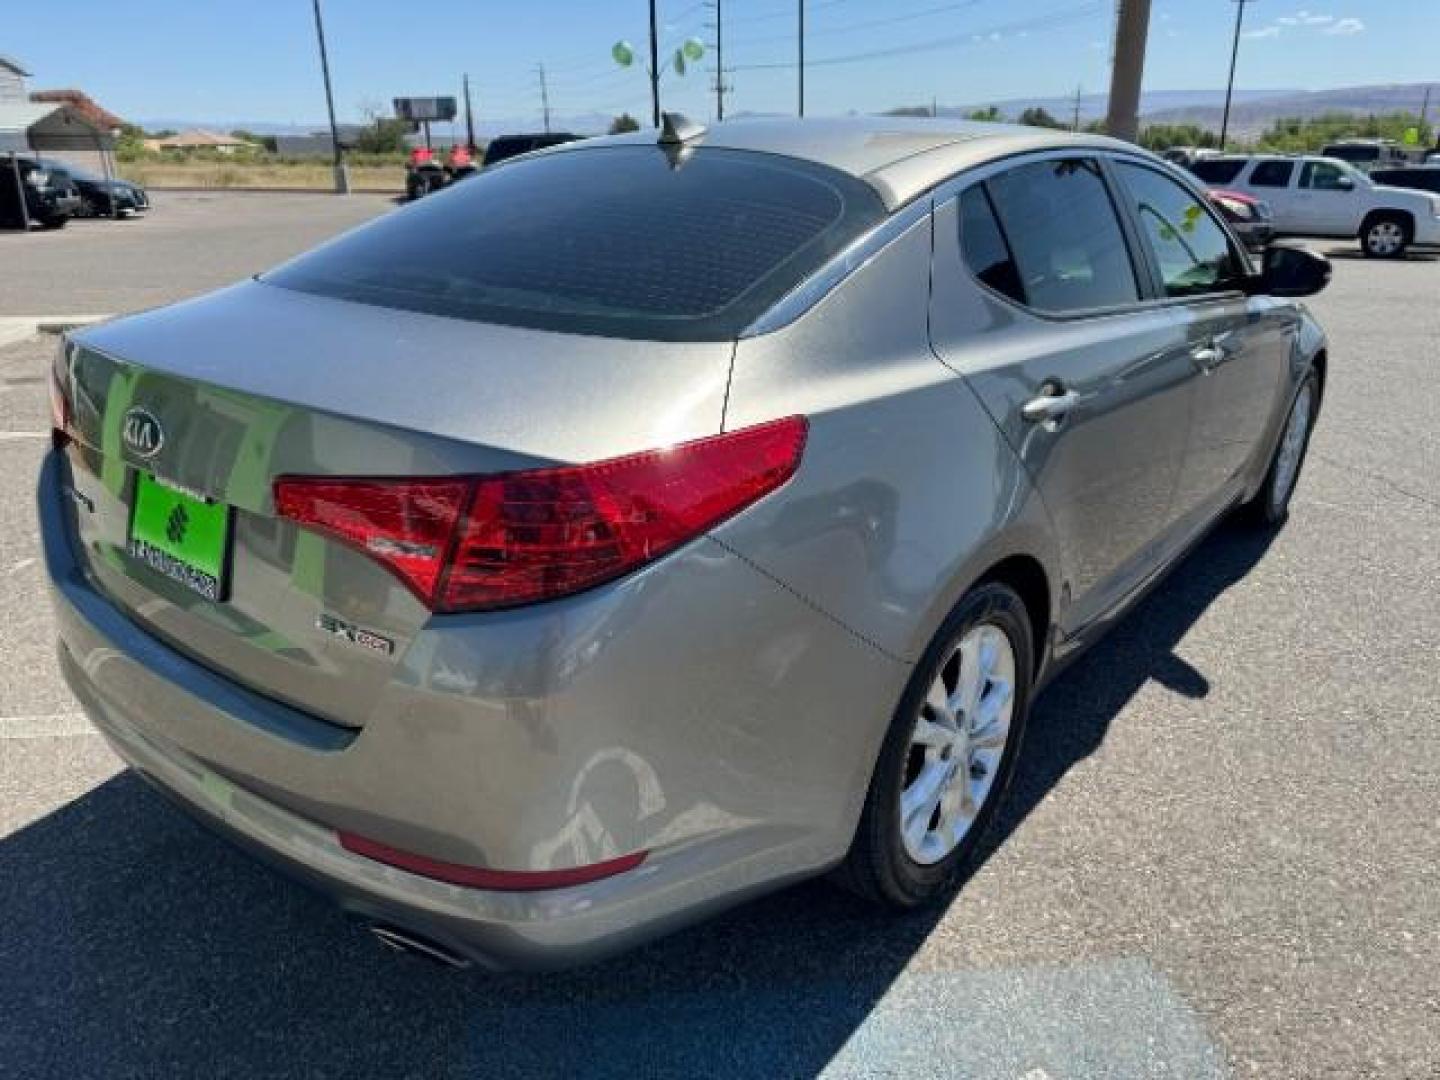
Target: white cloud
[1307,20]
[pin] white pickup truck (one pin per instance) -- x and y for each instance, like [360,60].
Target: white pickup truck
[1319,196]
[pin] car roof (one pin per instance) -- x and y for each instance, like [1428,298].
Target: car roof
[901,157]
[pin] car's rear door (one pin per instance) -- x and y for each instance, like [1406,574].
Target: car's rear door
[1331,201]
[1240,344]
[1037,301]
[1273,179]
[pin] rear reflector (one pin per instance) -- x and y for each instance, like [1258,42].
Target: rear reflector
[480,543]
[475,877]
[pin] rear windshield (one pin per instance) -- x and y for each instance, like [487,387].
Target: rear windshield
[618,241]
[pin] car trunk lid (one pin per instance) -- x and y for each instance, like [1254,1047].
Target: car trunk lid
[182,420]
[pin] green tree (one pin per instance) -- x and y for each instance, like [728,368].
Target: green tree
[1039,117]
[1293,134]
[384,136]
[1164,136]
[990,113]
[623,123]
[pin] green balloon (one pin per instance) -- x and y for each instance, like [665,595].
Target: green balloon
[693,48]
[623,53]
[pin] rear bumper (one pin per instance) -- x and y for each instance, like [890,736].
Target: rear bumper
[723,799]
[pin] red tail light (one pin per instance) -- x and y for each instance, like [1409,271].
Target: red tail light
[474,543]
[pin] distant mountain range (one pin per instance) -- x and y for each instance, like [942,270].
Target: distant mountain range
[1252,111]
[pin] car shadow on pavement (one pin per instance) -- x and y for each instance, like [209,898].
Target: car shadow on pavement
[135,943]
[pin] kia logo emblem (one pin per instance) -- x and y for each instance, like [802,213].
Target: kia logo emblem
[142,434]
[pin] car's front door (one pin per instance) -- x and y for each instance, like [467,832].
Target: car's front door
[1037,301]
[1328,200]
[1240,344]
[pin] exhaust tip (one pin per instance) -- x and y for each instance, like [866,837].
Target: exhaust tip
[403,941]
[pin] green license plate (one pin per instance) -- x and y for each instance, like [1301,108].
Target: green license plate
[180,536]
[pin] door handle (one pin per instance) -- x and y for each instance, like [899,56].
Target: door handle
[1207,358]
[1052,406]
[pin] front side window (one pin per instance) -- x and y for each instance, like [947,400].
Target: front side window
[1064,236]
[1194,254]
[1323,176]
[1272,174]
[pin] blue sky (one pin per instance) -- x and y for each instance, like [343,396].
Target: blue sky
[230,60]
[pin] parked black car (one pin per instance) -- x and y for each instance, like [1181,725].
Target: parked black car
[51,198]
[99,196]
[508,146]
[1419,177]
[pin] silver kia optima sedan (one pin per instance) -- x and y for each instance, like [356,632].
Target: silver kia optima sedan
[650,522]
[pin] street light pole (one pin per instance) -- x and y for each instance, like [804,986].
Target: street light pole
[654,70]
[342,180]
[802,58]
[1230,84]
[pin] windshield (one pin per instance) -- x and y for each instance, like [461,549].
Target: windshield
[621,241]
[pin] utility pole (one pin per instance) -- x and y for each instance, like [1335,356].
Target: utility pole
[1127,70]
[1075,120]
[1425,109]
[802,57]
[654,70]
[469,118]
[1230,84]
[719,27]
[544,96]
[342,179]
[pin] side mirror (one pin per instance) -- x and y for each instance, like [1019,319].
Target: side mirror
[1344,183]
[1292,271]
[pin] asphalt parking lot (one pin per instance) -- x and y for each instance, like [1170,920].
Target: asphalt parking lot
[1222,855]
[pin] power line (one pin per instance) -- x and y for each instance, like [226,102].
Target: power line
[1051,21]
[868,24]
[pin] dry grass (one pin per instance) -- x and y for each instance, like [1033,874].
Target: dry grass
[231,174]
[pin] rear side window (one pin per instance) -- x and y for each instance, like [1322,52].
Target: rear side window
[986,252]
[1217,172]
[1192,250]
[616,241]
[1272,174]
[1064,235]
[1323,176]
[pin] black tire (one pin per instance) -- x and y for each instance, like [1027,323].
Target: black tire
[54,223]
[1377,236]
[878,867]
[1269,507]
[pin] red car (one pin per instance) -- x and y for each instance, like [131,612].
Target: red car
[1250,218]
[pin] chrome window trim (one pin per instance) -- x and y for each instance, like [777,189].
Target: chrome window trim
[828,277]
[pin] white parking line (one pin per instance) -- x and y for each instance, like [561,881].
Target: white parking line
[66,725]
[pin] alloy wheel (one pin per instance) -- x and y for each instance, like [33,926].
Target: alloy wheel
[957,744]
[1385,238]
[1292,447]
